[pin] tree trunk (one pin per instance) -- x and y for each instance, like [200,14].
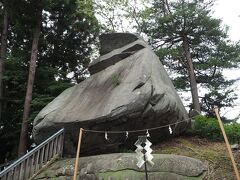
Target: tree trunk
[192,77]
[23,142]
[3,55]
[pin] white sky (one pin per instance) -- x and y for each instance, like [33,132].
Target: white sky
[229,12]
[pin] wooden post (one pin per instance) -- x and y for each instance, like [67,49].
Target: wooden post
[227,143]
[78,152]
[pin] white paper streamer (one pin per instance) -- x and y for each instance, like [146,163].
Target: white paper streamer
[126,134]
[106,136]
[170,129]
[147,133]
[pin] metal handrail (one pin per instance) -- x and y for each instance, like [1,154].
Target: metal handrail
[53,146]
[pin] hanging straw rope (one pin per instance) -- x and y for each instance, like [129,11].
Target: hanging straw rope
[133,131]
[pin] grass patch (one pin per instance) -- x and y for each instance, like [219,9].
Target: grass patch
[213,153]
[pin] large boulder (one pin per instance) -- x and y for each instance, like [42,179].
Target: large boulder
[123,166]
[128,89]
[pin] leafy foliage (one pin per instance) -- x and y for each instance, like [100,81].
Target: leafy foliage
[209,128]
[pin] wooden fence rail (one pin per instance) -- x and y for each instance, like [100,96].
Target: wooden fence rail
[29,164]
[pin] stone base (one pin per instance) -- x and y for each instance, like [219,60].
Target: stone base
[121,166]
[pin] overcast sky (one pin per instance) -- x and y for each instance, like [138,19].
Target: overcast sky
[229,12]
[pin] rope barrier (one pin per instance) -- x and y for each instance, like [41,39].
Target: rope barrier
[117,132]
[230,111]
[133,131]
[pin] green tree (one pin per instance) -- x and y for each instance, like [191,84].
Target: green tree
[193,44]
[23,141]
[9,132]
[69,32]
[3,50]
[65,46]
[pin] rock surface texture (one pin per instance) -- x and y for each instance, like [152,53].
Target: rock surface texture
[128,90]
[122,166]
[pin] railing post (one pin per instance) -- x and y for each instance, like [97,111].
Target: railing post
[46,154]
[55,146]
[41,156]
[37,161]
[22,170]
[61,145]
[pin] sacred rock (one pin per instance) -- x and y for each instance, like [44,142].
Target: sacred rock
[128,89]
